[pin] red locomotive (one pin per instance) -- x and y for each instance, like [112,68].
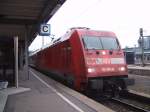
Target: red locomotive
[86,59]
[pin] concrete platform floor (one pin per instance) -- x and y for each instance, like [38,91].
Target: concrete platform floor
[47,95]
[4,93]
[139,70]
[139,67]
[142,84]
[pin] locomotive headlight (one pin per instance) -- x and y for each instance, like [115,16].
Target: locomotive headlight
[103,52]
[90,70]
[122,69]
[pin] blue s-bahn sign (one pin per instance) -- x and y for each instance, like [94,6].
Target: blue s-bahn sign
[45,29]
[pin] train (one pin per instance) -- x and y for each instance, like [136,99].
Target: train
[87,60]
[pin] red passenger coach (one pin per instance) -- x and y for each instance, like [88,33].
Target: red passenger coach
[86,59]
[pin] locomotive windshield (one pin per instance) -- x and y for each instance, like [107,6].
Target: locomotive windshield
[109,43]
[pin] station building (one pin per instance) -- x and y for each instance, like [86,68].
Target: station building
[134,54]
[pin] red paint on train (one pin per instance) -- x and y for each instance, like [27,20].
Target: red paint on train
[82,55]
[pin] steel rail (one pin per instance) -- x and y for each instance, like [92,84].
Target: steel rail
[131,106]
[137,97]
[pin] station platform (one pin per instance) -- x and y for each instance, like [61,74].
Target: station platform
[47,95]
[141,86]
[139,70]
[139,67]
[141,75]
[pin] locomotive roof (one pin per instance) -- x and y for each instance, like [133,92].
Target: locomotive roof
[80,30]
[67,35]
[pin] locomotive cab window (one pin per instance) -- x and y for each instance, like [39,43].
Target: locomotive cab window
[109,43]
[91,42]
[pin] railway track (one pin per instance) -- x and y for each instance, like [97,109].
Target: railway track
[129,105]
[128,102]
[133,102]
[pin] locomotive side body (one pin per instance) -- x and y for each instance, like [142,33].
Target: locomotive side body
[65,59]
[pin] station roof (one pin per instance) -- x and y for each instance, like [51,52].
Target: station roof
[16,16]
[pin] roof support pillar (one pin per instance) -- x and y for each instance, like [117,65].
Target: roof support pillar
[26,53]
[21,57]
[16,60]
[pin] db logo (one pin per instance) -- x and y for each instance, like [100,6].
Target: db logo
[106,61]
[45,29]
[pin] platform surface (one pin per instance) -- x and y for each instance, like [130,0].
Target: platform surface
[139,67]
[142,84]
[47,96]
[4,93]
